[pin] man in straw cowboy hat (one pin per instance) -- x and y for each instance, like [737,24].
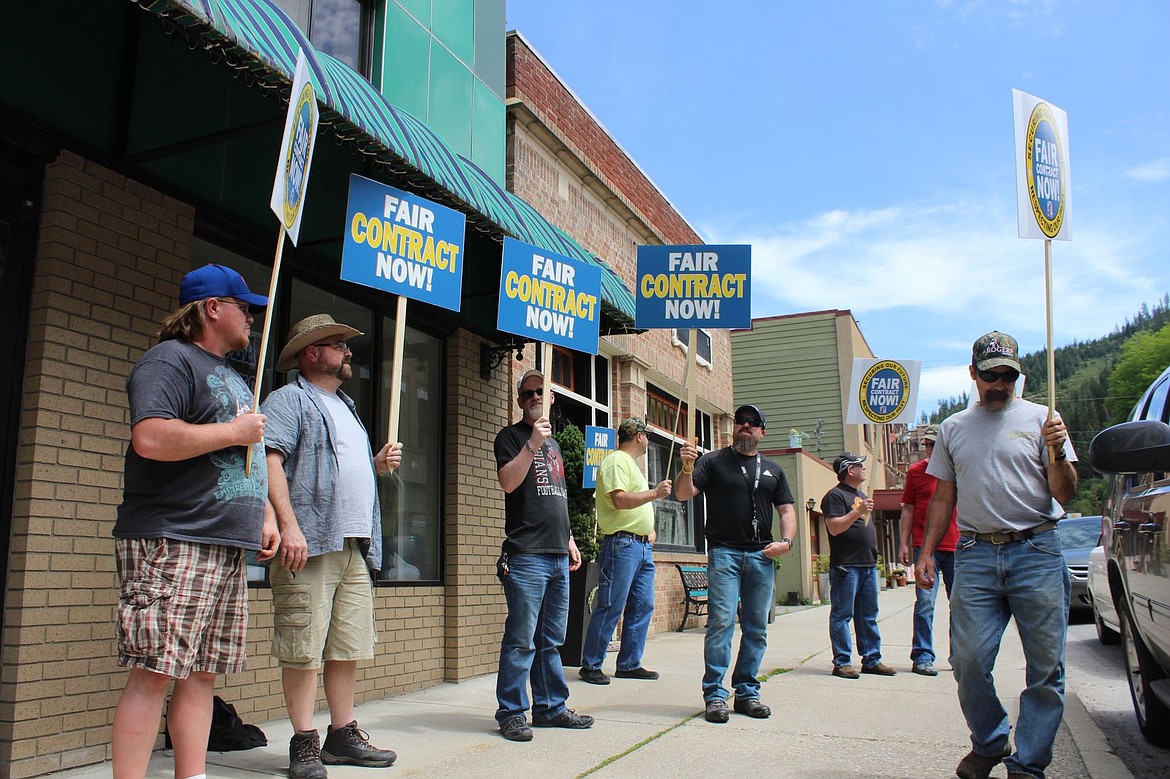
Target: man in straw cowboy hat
[323,487]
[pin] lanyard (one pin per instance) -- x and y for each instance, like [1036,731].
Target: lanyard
[752,495]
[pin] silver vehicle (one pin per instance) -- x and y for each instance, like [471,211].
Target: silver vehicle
[1136,454]
[1078,536]
[1104,612]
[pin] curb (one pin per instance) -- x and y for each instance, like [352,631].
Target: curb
[1098,757]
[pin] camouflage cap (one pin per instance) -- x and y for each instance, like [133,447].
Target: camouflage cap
[994,349]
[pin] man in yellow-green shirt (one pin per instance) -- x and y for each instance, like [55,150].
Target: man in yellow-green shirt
[626,521]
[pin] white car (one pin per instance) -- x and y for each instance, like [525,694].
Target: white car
[1104,612]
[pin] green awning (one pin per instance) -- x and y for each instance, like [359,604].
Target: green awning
[256,37]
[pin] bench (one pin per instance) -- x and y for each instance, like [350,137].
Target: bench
[694,581]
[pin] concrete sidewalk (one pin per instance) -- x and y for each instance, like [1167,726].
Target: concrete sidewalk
[821,726]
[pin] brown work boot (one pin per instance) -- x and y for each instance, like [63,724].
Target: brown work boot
[846,672]
[977,766]
[349,746]
[304,756]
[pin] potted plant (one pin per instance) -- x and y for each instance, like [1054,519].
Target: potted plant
[583,581]
[820,569]
[795,439]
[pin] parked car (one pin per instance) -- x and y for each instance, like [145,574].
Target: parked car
[1078,536]
[1104,612]
[1136,455]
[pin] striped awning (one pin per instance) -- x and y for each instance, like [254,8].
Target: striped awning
[256,37]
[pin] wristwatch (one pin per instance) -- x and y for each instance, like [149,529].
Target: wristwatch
[786,541]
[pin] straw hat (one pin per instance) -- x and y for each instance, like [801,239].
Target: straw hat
[308,331]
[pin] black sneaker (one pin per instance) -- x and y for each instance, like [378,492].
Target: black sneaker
[594,675]
[304,756]
[716,711]
[349,746]
[637,673]
[752,707]
[566,719]
[516,729]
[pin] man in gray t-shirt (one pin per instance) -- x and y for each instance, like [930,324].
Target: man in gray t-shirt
[1006,465]
[323,486]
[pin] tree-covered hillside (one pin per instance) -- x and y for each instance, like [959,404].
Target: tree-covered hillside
[1088,394]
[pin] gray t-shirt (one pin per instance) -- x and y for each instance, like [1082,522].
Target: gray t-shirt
[997,461]
[206,499]
[355,480]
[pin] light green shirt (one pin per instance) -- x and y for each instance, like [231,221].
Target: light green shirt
[619,471]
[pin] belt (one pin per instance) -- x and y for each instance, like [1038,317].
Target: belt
[628,534]
[1009,536]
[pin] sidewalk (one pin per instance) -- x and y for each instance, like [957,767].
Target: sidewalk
[821,726]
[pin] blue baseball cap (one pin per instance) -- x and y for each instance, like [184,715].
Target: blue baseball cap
[217,281]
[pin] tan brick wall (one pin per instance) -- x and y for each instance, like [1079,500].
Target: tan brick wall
[109,258]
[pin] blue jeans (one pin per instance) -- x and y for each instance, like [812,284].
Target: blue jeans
[537,591]
[626,585]
[922,650]
[748,579]
[1027,581]
[854,599]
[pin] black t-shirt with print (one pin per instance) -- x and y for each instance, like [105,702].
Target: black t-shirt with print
[536,514]
[737,517]
[857,546]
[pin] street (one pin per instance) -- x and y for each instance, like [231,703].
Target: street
[1097,674]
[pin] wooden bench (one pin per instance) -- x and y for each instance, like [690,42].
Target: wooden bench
[694,581]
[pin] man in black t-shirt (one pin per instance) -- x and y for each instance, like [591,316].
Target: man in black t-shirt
[852,571]
[534,565]
[741,488]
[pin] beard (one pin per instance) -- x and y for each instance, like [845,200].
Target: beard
[744,444]
[344,372]
[532,413]
[996,399]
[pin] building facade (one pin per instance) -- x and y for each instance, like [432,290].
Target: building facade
[139,142]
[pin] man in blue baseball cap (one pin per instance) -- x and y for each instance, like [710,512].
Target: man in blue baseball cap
[189,512]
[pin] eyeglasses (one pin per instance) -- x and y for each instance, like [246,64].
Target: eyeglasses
[340,346]
[528,393]
[991,377]
[753,421]
[238,304]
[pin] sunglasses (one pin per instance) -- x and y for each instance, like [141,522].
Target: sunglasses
[530,393]
[753,421]
[991,377]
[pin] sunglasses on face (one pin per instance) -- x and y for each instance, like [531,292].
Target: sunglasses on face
[753,421]
[529,393]
[991,377]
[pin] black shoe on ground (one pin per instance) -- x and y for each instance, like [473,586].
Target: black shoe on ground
[304,756]
[593,675]
[752,707]
[977,766]
[516,729]
[349,746]
[716,710]
[637,673]
[880,669]
[566,719]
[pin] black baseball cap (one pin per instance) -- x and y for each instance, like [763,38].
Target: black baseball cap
[749,410]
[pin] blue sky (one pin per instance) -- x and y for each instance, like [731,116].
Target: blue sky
[865,150]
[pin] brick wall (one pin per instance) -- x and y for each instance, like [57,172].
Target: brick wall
[110,255]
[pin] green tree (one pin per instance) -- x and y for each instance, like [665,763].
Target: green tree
[581,519]
[1143,358]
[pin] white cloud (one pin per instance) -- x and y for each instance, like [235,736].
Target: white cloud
[1153,171]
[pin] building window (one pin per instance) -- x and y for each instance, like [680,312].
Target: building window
[582,389]
[411,502]
[341,28]
[678,523]
[682,339]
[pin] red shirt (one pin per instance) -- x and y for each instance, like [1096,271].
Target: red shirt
[918,492]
